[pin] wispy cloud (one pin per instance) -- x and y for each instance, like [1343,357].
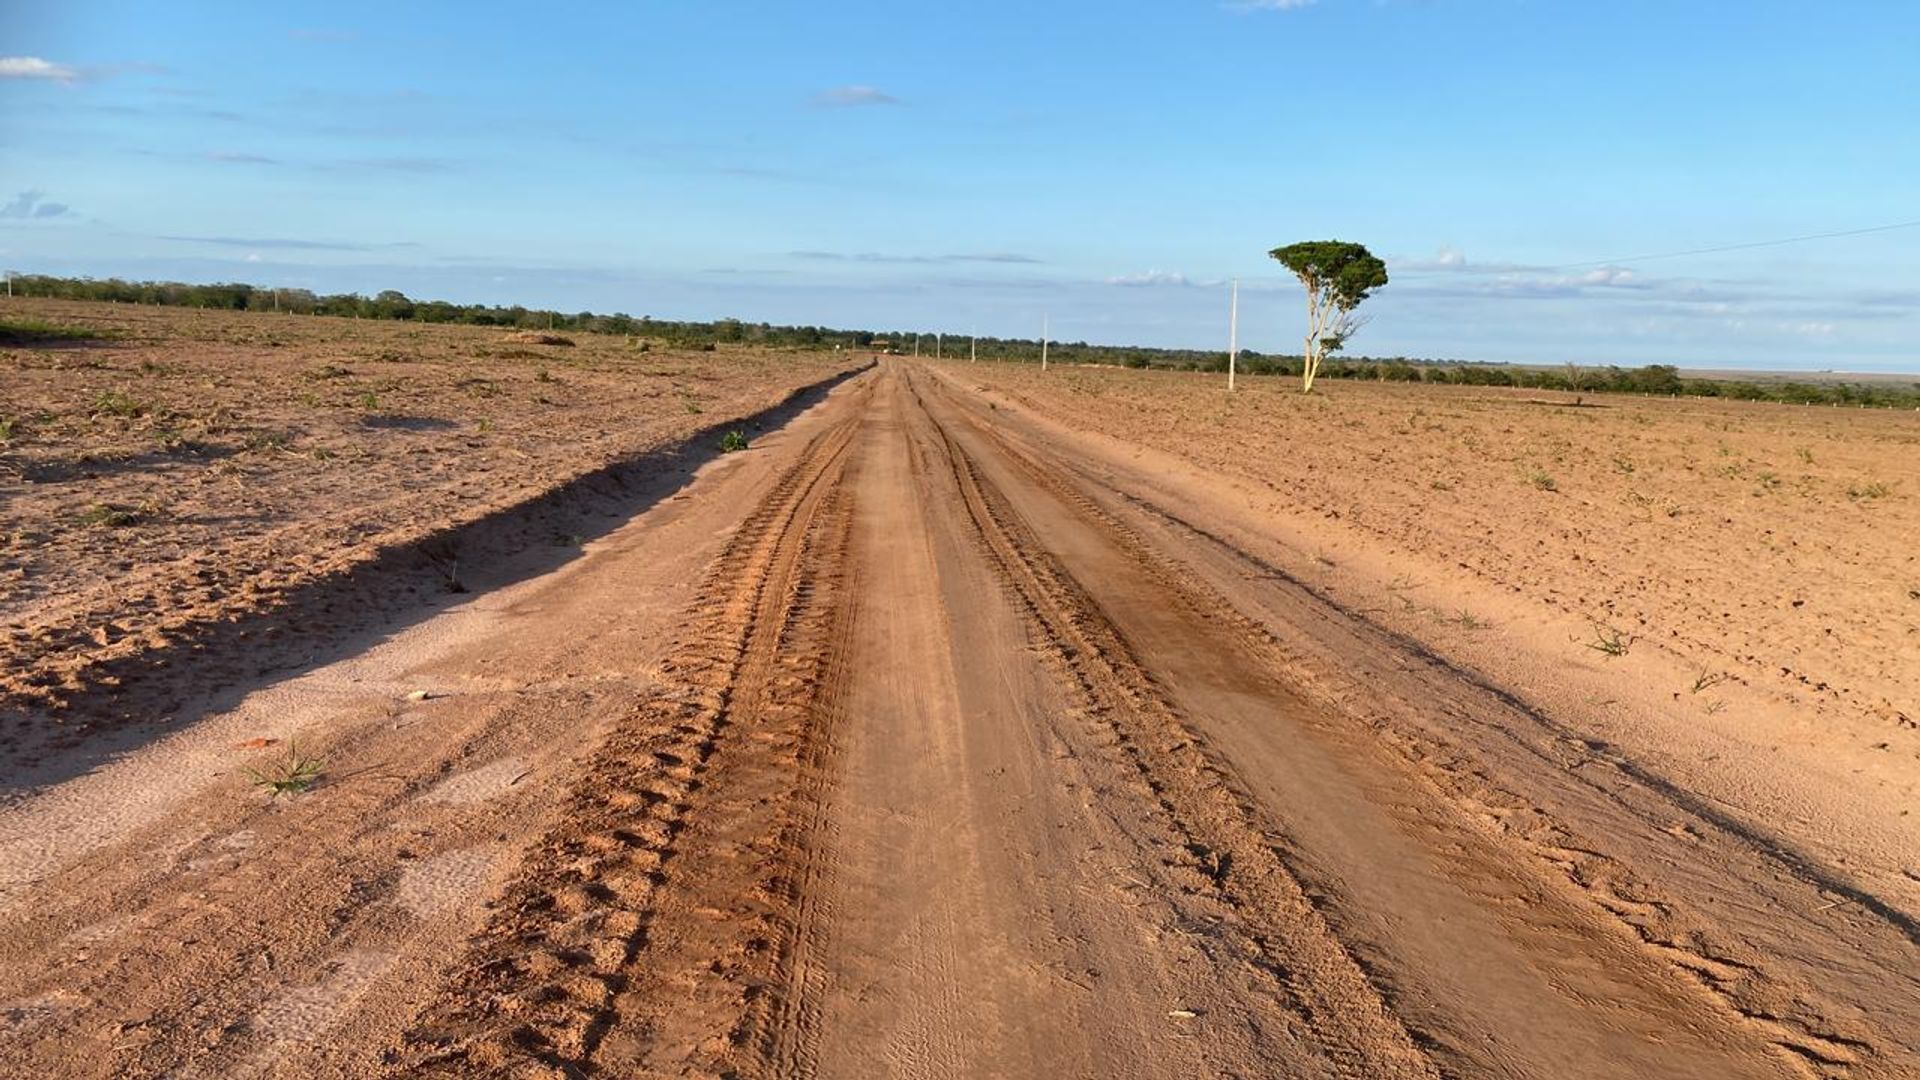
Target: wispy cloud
[876,257]
[400,164]
[32,67]
[843,97]
[33,205]
[228,157]
[1267,5]
[284,244]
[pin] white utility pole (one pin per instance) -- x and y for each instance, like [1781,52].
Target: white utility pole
[1043,343]
[973,346]
[916,346]
[1233,332]
[939,347]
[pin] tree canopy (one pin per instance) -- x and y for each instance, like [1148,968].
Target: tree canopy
[1337,276]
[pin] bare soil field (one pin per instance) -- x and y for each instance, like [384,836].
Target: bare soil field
[188,470]
[982,723]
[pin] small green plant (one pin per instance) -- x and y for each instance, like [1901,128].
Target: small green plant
[370,401]
[1872,489]
[109,516]
[289,776]
[117,403]
[1804,453]
[8,426]
[1610,641]
[1543,482]
[1623,465]
[733,440]
[1470,621]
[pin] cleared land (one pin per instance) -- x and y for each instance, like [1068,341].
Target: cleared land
[185,471]
[979,723]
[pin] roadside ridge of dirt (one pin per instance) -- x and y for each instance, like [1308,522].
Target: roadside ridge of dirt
[66,679]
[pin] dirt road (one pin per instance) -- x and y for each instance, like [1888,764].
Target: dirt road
[917,743]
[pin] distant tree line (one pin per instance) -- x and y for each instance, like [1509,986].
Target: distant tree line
[392,304]
[1651,379]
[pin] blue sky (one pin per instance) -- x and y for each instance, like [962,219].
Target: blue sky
[979,165]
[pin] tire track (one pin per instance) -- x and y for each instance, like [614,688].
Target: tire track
[1340,1017]
[567,978]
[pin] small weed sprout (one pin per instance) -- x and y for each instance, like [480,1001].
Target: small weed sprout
[7,427]
[733,440]
[291,775]
[1543,482]
[1610,641]
[1872,489]
[1706,680]
[109,516]
[1468,620]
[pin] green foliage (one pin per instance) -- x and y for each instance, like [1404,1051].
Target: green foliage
[1349,271]
[733,440]
[118,403]
[39,331]
[289,776]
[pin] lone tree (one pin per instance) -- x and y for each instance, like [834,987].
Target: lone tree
[1337,277]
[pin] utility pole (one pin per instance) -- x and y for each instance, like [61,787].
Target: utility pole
[1043,343]
[939,350]
[916,346]
[973,346]
[1233,332]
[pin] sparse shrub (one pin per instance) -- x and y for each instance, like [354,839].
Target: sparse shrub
[1544,482]
[118,403]
[1871,489]
[733,440]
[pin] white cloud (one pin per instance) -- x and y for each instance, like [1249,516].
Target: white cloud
[1615,276]
[842,97]
[32,67]
[1267,5]
[1151,277]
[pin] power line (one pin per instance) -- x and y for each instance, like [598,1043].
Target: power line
[1651,256]
[1742,247]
